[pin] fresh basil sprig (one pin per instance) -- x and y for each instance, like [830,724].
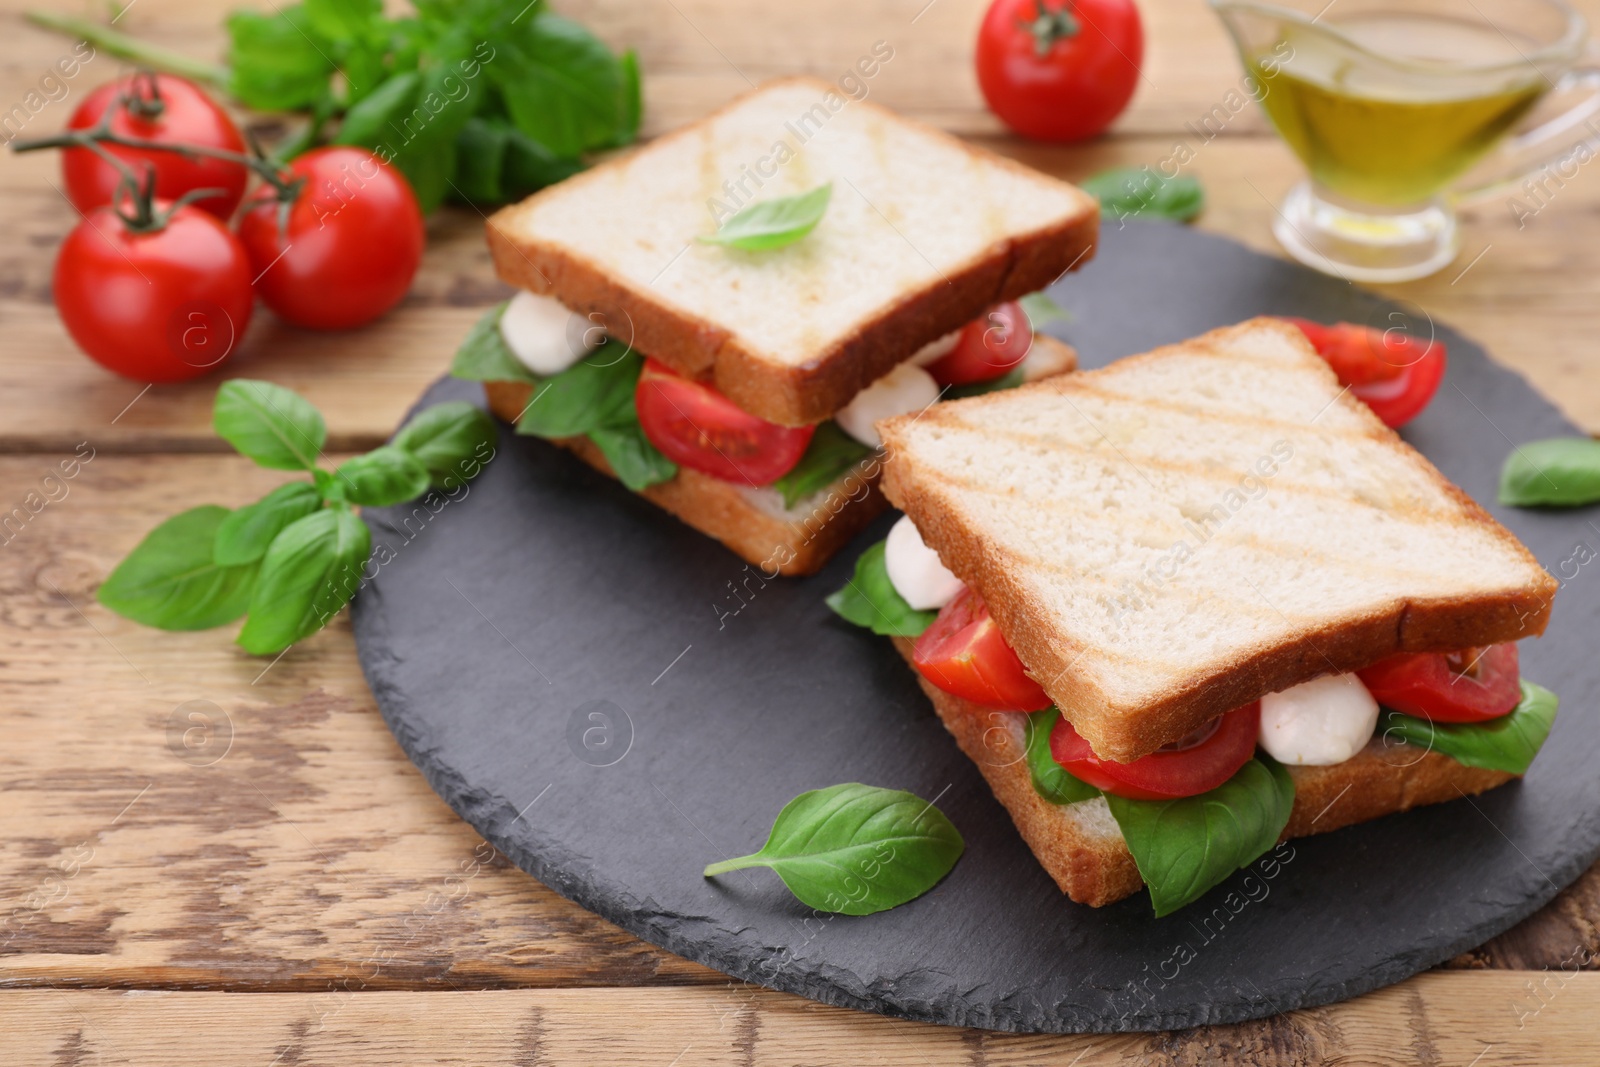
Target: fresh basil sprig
[481,100]
[1557,472]
[869,599]
[293,558]
[1139,192]
[1508,743]
[768,224]
[856,849]
[1184,847]
[592,398]
[1051,780]
[831,455]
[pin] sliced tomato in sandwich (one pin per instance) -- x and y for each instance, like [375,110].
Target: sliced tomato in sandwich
[963,653]
[1472,685]
[696,426]
[1395,373]
[1193,765]
[986,347]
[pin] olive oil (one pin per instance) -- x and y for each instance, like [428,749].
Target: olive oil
[1400,107]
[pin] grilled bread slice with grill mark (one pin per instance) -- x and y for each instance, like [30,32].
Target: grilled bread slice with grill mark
[1179,533]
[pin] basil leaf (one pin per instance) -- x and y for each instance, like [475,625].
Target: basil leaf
[171,581]
[634,460]
[446,437]
[869,599]
[310,572]
[1041,308]
[483,355]
[1508,743]
[368,122]
[342,20]
[277,62]
[1559,471]
[561,85]
[1184,847]
[274,426]
[426,154]
[856,849]
[243,536]
[831,455]
[773,223]
[1140,192]
[1009,380]
[1051,780]
[386,475]
[496,162]
[588,395]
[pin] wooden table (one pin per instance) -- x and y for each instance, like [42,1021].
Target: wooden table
[288,890]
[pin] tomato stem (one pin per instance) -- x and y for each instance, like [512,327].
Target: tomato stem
[131,48]
[1047,26]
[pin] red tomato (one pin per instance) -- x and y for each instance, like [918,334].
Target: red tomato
[1468,686]
[1059,70]
[161,306]
[165,108]
[1395,373]
[696,426]
[351,246]
[963,653]
[987,347]
[1197,764]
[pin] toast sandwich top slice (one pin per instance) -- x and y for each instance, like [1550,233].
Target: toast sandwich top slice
[1182,532]
[922,233]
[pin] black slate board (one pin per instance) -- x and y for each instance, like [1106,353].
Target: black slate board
[548,593]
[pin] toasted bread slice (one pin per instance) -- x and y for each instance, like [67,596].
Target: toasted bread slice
[1180,533]
[1081,846]
[922,234]
[754,523]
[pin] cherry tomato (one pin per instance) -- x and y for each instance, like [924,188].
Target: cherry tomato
[987,347]
[1395,373]
[161,306]
[1059,70]
[158,107]
[1467,686]
[963,653]
[351,247]
[1197,764]
[696,426]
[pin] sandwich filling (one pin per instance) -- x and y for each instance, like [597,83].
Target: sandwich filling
[648,420]
[1470,705]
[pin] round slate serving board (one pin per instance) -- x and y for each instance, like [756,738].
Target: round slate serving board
[614,700]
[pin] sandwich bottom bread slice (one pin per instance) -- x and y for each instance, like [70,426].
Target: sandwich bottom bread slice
[791,526]
[1159,690]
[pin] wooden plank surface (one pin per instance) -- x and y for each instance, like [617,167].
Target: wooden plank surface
[273,838]
[1486,1019]
[280,840]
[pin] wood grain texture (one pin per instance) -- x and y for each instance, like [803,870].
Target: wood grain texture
[278,839]
[1482,1020]
[1530,299]
[309,858]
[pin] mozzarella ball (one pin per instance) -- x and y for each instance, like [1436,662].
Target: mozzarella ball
[1318,723]
[904,389]
[535,328]
[915,571]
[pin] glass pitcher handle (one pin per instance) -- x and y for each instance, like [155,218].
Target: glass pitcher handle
[1528,153]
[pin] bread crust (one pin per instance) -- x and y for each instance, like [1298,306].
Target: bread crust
[1438,624]
[788,395]
[1097,869]
[720,509]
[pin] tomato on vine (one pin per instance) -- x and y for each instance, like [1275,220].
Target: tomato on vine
[343,248]
[164,110]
